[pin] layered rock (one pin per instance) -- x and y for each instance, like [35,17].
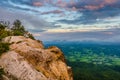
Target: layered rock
[29,60]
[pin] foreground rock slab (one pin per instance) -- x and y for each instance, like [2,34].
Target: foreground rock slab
[29,60]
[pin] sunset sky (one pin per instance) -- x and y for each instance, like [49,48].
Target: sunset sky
[73,20]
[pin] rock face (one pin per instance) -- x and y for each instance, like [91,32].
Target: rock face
[29,60]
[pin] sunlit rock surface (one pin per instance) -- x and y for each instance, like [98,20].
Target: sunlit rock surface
[29,60]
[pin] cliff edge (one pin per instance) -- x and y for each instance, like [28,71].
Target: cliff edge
[27,59]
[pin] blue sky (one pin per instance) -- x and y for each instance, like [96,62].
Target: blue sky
[74,20]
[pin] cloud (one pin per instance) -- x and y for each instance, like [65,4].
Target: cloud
[92,17]
[72,4]
[53,12]
[92,4]
[36,34]
[31,22]
[109,35]
[91,10]
[37,4]
[39,16]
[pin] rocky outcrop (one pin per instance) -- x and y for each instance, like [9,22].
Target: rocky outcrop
[29,60]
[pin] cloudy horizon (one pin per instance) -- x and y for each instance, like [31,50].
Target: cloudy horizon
[72,20]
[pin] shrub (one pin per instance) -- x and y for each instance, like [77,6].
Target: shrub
[1,73]
[16,30]
[4,47]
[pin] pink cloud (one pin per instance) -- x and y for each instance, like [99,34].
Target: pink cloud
[90,4]
[61,3]
[37,4]
[109,1]
[74,8]
[72,2]
[77,5]
[109,33]
[36,34]
[53,12]
[93,7]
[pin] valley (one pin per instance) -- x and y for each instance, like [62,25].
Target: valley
[91,61]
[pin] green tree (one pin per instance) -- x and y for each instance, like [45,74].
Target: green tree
[30,36]
[4,24]
[17,24]
[3,30]
[18,29]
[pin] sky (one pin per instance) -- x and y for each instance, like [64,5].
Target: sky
[71,20]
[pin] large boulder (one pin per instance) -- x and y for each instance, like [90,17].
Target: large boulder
[29,60]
